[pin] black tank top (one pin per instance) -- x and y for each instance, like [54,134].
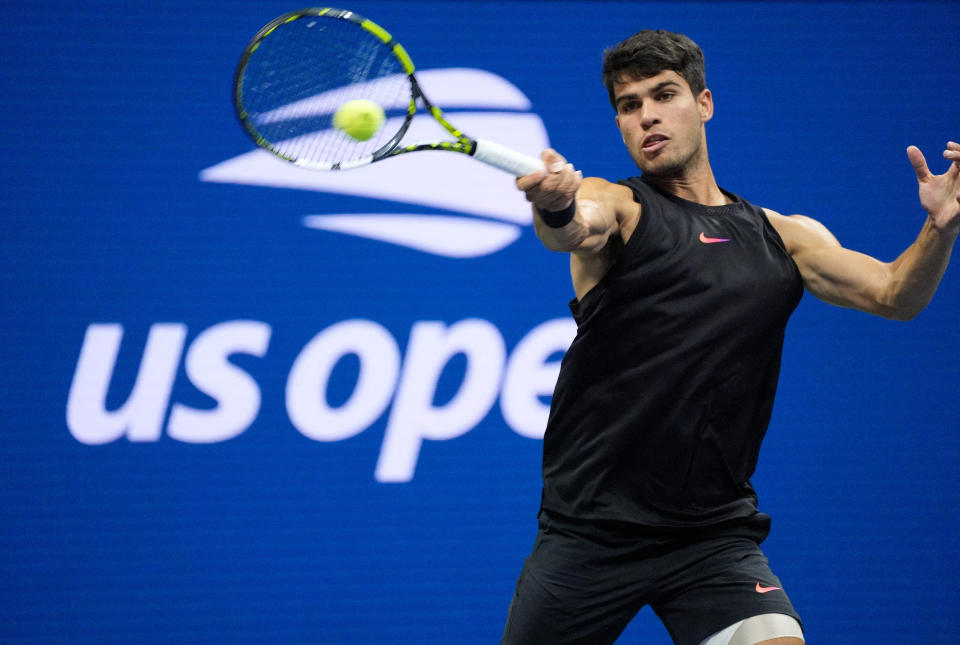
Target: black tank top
[666,392]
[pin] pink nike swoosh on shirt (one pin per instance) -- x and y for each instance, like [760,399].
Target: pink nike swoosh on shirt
[712,240]
[766,589]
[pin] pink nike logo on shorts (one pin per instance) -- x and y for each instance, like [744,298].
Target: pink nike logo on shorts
[712,240]
[761,589]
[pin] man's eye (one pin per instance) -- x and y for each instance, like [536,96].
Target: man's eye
[666,96]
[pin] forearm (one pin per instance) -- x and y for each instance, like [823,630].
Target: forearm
[916,273]
[572,214]
[565,238]
[588,230]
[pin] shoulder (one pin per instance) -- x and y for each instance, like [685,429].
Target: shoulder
[613,198]
[800,232]
[601,189]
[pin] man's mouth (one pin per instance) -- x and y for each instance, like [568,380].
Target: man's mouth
[654,142]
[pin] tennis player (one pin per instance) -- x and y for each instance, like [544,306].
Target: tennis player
[683,291]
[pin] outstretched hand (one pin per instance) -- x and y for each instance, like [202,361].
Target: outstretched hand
[939,194]
[554,188]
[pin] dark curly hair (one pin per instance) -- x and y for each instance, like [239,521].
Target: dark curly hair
[650,52]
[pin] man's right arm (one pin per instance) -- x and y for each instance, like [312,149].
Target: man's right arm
[587,218]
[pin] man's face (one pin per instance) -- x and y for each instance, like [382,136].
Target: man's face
[662,122]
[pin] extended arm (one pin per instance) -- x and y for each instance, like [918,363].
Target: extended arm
[588,218]
[898,289]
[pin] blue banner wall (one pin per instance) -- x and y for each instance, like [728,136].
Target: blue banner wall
[240,405]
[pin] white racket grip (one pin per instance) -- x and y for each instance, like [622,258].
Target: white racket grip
[506,159]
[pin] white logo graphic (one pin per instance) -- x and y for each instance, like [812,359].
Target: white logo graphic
[392,382]
[485,211]
[480,212]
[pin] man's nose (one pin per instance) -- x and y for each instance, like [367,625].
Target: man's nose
[649,117]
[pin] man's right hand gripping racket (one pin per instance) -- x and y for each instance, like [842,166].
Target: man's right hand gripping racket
[300,69]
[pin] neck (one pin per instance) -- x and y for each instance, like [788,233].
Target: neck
[694,182]
[702,189]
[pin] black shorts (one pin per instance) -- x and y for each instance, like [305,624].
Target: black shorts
[584,583]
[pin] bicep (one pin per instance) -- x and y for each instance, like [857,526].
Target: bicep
[598,206]
[607,210]
[846,278]
[831,272]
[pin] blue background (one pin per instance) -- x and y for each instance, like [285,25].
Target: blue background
[111,109]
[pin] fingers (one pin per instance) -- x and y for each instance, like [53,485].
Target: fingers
[953,154]
[553,160]
[918,162]
[530,181]
[554,188]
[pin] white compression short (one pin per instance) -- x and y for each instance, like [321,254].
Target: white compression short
[755,629]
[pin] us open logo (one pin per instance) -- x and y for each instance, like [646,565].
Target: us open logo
[484,211]
[483,214]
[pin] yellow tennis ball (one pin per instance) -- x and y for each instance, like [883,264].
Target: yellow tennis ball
[359,118]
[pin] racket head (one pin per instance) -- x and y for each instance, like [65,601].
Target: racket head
[302,66]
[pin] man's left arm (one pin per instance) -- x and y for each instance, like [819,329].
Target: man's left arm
[898,289]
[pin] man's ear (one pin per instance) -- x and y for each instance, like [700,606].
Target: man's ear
[705,101]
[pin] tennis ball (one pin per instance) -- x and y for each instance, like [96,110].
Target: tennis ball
[359,118]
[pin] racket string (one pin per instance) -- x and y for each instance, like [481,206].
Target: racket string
[303,71]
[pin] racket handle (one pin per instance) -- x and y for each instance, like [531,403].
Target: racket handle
[506,159]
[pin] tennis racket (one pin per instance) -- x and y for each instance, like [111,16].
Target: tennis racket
[302,66]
